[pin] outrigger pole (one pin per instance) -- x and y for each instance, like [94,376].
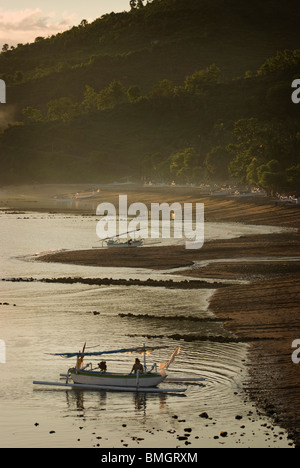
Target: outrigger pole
[117,389]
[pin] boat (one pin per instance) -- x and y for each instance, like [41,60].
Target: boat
[115,241]
[97,378]
[130,243]
[83,195]
[77,195]
[109,379]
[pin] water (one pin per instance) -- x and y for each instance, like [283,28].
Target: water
[46,318]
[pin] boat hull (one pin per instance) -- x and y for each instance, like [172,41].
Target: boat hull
[133,244]
[116,380]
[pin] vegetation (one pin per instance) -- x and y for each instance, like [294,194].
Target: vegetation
[168,91]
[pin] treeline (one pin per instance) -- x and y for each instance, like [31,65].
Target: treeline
[263,150]
[65,108]
[169,91]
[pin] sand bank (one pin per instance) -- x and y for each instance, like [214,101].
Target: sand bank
[264,311]
[259,210]
[172,257]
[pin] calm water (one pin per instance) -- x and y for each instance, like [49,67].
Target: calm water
[44,318]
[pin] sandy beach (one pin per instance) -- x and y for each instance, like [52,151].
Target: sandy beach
[263,308]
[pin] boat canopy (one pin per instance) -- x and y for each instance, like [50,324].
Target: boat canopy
[139,350]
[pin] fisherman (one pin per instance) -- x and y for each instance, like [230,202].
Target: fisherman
[102,366]
[137,366]
[80,358]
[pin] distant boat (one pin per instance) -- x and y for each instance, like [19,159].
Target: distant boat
[81,195]
[76,196]
[115,241]
[130,243]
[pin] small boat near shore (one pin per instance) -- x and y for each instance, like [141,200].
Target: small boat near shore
[97,378]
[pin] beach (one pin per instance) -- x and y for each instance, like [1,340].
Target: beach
[260,304]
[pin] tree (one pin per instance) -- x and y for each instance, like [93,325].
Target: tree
[185,166]
[90,98]
[216,163]
[134,93]
[194,84]
[257,143]
[293,177]
[271,178]
[111,96]
[62,109]
[164,89]
[35,115]
[283,60]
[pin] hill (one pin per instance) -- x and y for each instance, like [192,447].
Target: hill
[168,91]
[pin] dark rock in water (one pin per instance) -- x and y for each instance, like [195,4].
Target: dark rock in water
[203,415]
[224,434]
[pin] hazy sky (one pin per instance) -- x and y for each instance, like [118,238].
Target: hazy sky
[21,21]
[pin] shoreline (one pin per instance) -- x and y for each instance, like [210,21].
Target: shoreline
[249,209]
[265,310]
[164,258]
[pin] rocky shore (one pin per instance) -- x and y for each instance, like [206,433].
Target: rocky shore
[268,310]
[261,307]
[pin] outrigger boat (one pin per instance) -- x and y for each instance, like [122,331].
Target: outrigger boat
[129,243]
[115,241]
[85,377]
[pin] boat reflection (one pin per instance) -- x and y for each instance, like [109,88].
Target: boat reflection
[100,401]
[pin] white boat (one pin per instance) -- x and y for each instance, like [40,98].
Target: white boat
[116,241]
[109,379]
[130,243]
[98,378]
[83,195]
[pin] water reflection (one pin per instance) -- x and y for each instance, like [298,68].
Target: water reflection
[81,400]
[50,318]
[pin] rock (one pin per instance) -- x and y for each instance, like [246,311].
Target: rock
[223,434]
[203,415]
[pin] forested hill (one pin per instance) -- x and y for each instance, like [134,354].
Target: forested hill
[184,90]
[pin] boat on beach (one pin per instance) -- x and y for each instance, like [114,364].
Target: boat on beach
[130,243]
[88,376]
[116,241]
